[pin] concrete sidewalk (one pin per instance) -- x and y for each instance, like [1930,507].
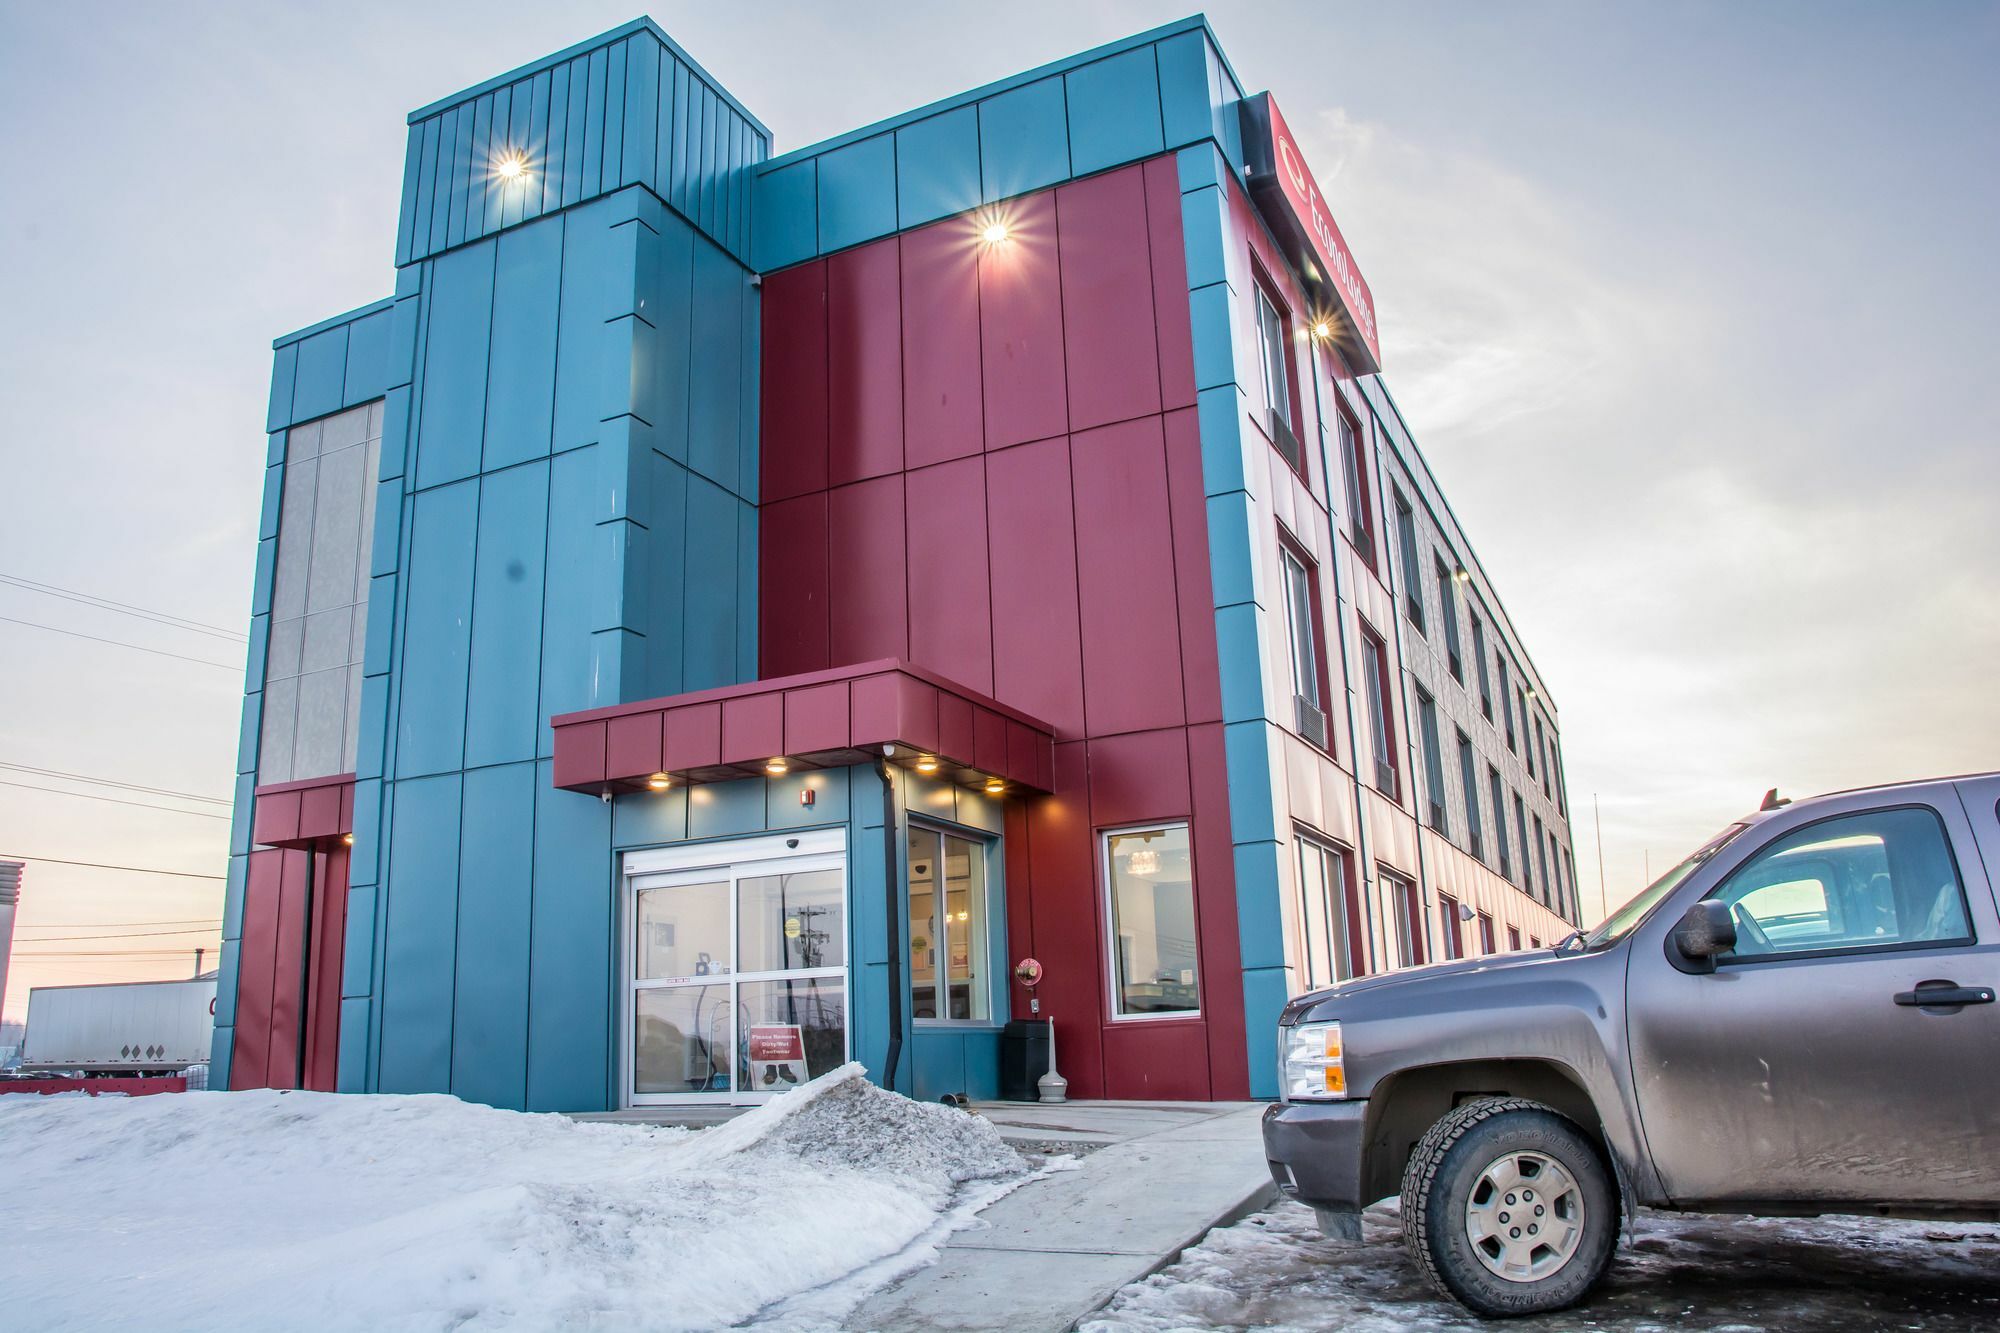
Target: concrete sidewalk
[1152,1178]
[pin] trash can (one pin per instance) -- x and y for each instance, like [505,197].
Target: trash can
[1024,1058]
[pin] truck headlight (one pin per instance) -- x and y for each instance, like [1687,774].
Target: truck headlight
[1313,1068]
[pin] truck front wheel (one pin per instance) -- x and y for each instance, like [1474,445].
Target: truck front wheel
[1508,1208]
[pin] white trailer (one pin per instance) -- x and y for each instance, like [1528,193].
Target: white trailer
[153,1027]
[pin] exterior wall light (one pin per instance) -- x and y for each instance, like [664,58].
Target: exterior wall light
[659,782]
[994,786]
[777,767]
[1323,329]
[511,166]
[347,839]
[995,233]
[1462,574]
[927,763]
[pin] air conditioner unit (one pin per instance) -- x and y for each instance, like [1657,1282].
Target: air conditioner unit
[1311,721]
[1281,436]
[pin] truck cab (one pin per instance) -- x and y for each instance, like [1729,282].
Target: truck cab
[1798,1018]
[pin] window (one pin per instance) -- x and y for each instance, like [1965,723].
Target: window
[1479,654]
[1486,944]
[1302,623]
[1361,523]
[1527,848]
[1556,758]
[1542,855]
[1561,890]
[1534,941]
[1880,880]
[1575,896]
[1454,942]
[311,724]
[1333,947]
[949,952]
[1542,748]
[1427,729]
[1469,784]
[1381,722]
[1513,940]
[1406,916]
[1521,698]
[1500,822]
[1274,352]
[1506,709]
[1447,583]
[1406,544]
[1149,878]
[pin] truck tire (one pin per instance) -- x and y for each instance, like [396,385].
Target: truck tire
[1509,1208]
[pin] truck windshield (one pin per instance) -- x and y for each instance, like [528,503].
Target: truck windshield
[1623,921]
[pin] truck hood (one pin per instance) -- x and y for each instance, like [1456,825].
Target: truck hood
[1427,975]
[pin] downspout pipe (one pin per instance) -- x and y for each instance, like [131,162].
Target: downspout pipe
[893,902]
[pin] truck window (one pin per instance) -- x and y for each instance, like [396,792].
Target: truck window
[1878,880]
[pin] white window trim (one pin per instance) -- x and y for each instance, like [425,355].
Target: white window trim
[1104,837]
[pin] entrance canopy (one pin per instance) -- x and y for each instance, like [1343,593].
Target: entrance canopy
[820,719]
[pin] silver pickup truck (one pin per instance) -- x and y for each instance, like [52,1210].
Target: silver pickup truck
[1797,1019]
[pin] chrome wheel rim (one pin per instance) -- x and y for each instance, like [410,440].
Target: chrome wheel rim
[1524,1216]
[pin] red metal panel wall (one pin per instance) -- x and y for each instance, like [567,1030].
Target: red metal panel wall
[271,970]
[1046,540]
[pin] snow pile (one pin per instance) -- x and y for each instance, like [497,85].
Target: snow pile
[305,1210]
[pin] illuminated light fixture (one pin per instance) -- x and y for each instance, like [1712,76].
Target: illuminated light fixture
[1532,694]
[994,786]
[926,763]
[1145,861]
[777,766]
[511,166]
[1462,574]
[1323,329]
[347,839]
[659,782]
[995,233]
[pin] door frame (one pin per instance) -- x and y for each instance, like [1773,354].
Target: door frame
[699,862]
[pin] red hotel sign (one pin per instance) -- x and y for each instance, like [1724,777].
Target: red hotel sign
[1277,167]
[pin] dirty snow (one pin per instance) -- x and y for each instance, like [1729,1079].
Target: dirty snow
[306,1210]
[1745,1275]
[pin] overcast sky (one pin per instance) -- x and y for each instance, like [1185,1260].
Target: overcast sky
[1691,308]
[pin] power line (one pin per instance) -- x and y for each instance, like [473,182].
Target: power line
[115,953]
[115,800]
[88,925]
[100,865]
[114,782]
[135,935]
[121,608]
[120,643]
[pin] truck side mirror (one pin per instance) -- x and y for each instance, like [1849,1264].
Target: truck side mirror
[1705,930]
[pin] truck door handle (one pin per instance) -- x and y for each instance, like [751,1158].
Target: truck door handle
[1941,994]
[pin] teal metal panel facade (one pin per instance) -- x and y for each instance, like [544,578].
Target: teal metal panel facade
[1118,103]
[627,108]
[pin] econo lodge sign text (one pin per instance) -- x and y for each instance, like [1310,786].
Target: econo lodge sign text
[1276,165]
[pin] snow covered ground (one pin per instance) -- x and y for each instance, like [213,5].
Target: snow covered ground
[1274,1271]
[311,1211]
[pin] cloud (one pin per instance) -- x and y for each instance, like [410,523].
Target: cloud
[1722,578]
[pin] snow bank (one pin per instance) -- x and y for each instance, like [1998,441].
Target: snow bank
[307,1210]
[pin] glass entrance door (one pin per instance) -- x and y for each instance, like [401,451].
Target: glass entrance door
[737,972]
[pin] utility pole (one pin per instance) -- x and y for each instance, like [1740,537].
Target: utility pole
[1603,897]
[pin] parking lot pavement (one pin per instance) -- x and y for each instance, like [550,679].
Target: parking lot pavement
[1273,1270]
